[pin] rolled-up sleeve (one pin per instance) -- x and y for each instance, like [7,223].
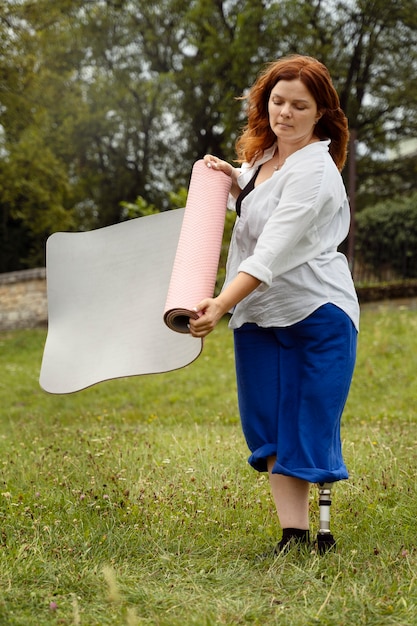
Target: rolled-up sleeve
[259,270]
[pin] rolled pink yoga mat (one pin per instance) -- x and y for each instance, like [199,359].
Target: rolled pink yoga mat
[107,291]
[197,258]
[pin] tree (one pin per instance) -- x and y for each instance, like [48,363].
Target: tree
[115,99]
[34,188]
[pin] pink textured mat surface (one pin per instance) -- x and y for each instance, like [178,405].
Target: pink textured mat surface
[107,292]
[197,258]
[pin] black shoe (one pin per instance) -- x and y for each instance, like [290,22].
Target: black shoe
[292,537]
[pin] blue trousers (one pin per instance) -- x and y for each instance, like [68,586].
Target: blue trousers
[293,383]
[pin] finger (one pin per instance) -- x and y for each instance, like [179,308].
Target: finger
[217,164]
[210,160]
[200,325]
[201,307]
[200,334]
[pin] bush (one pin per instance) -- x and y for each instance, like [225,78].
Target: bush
[386,237]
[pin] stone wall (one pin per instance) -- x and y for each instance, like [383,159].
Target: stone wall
[23,302]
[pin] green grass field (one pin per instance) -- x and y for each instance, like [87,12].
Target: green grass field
[132,503]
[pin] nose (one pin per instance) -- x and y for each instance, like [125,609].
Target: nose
[285,110]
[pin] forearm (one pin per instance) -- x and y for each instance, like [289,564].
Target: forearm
[211,310]
[235,189]
[237,290]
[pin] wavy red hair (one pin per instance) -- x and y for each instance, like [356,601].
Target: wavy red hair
[257,136]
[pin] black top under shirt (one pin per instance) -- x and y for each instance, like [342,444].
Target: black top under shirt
[246,190]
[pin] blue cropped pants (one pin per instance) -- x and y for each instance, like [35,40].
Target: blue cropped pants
[293,383]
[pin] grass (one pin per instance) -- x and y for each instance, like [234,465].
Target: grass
[131,503]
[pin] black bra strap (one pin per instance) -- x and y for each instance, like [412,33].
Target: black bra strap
[246,190]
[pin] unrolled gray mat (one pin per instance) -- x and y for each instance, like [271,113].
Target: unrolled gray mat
[106,294]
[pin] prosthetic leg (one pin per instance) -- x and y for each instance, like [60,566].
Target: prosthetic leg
[325,539]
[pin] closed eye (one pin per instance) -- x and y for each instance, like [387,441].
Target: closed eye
[300,106]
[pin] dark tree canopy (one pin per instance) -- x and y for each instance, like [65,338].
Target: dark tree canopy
[105,101]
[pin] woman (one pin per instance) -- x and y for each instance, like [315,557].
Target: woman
[295,313]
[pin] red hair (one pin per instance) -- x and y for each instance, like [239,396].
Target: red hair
[257,136]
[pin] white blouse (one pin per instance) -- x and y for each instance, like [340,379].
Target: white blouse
[287,236]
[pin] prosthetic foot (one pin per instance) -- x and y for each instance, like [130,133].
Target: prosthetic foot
[325,539]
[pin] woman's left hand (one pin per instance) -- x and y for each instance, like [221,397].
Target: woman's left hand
[210,313]
[211,310]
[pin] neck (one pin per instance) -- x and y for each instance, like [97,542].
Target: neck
[284,150]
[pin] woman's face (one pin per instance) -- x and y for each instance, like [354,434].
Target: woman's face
[292,112]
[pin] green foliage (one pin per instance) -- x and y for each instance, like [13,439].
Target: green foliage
[386,237]
[104,102]
[131,503]
[378,182]
[178,199]
[139,208]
